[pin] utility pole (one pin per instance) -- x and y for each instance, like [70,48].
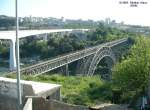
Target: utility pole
[19,107]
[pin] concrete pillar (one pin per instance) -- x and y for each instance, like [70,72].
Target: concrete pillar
[12,58]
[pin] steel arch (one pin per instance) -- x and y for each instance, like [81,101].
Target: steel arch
[100,54]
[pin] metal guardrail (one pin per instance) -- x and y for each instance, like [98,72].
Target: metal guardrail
[57,62]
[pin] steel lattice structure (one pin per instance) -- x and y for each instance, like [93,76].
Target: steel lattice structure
[98,52]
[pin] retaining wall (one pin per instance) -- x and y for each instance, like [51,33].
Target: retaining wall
[43,104]
[8,92]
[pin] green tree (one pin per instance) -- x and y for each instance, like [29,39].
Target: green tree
[7,22]
[4,51]
[132,73]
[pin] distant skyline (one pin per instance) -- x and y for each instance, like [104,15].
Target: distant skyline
[80,9]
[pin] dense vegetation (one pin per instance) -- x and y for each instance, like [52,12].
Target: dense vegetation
[4,51]
[57,45]
[78,89]
[135,66]
[131,75]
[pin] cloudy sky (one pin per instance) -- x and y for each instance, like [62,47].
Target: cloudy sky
[80,9]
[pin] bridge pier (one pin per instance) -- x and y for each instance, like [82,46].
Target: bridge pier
[67,70]
[12,56]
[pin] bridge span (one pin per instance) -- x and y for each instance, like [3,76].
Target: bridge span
[98,52]
[10,36]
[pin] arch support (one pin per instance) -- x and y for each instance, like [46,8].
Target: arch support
[100,54]
[83,65]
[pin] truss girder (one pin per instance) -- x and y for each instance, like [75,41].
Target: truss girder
[98,51]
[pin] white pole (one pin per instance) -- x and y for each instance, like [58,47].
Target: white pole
[18,61]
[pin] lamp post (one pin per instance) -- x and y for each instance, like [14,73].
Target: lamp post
[18,61]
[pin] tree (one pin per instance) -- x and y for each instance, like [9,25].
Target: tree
[4,51]
[132,73]
[7,22]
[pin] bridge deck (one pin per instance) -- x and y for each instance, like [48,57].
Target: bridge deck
[25,33]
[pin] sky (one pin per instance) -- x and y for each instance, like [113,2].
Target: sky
[80,9]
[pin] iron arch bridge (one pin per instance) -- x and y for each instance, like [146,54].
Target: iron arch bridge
[100,54]
[95,54]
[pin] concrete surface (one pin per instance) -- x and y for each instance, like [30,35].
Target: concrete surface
[8,92]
